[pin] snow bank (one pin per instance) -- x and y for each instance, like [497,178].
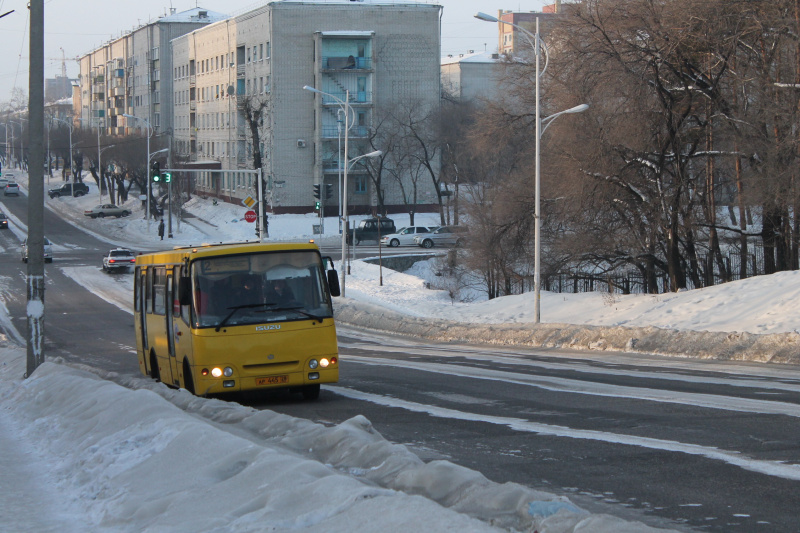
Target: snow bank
[108,441]
[733,346]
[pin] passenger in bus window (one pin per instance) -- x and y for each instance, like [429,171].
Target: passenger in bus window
[283,294]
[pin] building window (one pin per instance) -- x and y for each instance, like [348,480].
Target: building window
[361,184]
[268,50]
[261,51]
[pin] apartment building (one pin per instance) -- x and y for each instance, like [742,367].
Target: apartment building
[133,75]
[510,40]
[471,76]
[238,92]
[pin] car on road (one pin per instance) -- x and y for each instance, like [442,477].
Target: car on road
[11,189]
[3,221]
[404,236]
[4,182]
[118,259]
[106,210]
[69,189]
[443,236]
[48,251]
[371,229]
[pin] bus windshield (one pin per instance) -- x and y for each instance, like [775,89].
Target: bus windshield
[261,287]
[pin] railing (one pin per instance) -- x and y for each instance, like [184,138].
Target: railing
[357,97]
[332,132]
[346,63]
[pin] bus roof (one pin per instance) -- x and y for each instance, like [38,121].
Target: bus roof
[180,253]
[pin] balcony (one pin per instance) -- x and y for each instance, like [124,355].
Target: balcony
[240,71]
[192,80]
[330,166]
[346,63]
[119,73]
[357,97]
[116,111]
[332,132]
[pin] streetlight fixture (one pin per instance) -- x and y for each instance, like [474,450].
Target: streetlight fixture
[146,165]
[345,106]
[537,45]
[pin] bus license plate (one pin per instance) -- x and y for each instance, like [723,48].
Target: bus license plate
[272,380]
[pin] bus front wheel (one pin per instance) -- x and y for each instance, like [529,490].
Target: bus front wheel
[311,392]
[188,382]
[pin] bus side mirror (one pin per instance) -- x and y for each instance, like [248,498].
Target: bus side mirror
[333,283]
[184,290]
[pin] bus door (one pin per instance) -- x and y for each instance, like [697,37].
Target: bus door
[172,293]
[141,325]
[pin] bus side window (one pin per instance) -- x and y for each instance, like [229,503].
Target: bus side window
[160,291]
[148,293]
[185,309]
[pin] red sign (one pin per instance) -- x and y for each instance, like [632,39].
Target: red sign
[251,216]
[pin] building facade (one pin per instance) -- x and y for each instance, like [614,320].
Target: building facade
[238,88]
[132,75]
[510,40]
[471,76]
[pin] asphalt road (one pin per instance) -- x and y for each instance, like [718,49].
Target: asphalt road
[701,446]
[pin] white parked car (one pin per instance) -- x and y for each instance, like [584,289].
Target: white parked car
[48,251]
[404,236]
[106,210]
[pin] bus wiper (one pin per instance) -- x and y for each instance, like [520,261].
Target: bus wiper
[298,308]
[237,307]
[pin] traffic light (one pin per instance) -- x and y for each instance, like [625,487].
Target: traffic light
[155,172]
[317,191]
[167,177]
[316,206]
[328,191]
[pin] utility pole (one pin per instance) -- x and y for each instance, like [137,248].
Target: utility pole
[35,277]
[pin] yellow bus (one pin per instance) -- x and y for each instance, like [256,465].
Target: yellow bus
[234,317]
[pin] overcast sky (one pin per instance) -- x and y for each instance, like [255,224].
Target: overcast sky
[79,26]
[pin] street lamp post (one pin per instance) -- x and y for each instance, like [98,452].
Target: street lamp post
[146,166]
[537,46]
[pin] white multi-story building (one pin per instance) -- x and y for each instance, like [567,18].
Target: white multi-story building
[133,75]
[471,76]
[382,53]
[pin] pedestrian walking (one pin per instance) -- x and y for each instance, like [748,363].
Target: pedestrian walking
[161,229]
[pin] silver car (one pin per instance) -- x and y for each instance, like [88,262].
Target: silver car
[48,251]
[443,236]
[404,236]
[106,210]
[11,189]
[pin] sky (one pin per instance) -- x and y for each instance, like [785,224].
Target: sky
[78,27]
[84,450]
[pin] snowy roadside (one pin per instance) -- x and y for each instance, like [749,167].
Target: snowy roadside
[103,442]
[728,346]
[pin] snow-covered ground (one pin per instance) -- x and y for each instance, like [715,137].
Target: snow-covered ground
[84,451]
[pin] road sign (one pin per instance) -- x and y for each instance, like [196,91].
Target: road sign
[249,202]
[250,216]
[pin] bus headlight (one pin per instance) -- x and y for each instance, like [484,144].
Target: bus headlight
[228,372]
[323,363]
[216,372]
[313,363]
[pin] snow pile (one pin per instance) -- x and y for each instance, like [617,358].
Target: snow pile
[236,469]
